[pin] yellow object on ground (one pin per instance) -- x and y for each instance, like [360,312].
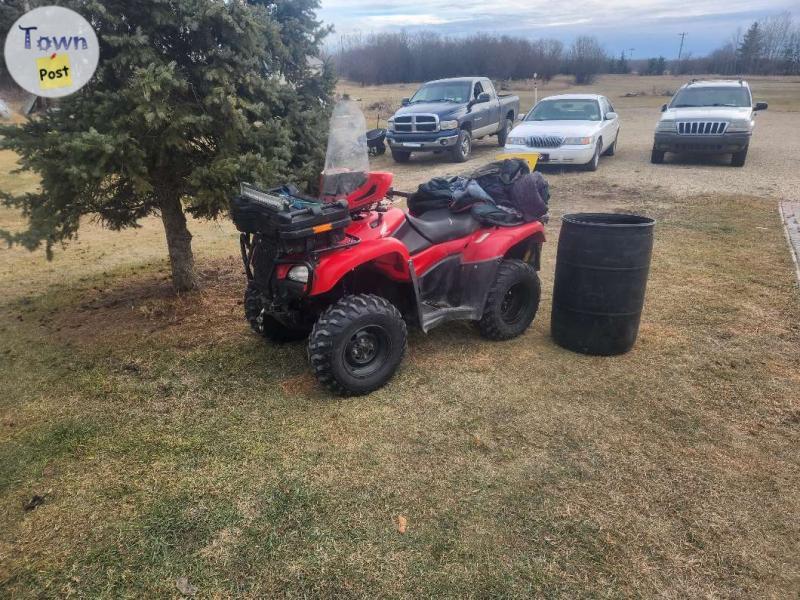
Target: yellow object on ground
[531,157]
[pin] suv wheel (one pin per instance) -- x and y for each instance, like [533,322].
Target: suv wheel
[463,146]
[657,156]
[400,156]
[738,158]
[357,344]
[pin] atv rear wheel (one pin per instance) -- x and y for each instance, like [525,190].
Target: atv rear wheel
[265,325]
[357,344]
[512,303]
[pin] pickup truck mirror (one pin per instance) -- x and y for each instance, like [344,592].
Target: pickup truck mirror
[761,106]
[663,108]
[610,116]
[405,101]
[483,97]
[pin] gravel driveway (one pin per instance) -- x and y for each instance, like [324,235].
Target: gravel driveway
[772,169]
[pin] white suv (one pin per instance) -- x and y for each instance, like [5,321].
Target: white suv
[707,117]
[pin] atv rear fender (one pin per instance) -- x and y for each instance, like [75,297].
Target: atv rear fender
[389,255]
[499,242]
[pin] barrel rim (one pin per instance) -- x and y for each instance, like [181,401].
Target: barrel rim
[581,219]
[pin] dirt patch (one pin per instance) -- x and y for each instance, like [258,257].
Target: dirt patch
[147,307]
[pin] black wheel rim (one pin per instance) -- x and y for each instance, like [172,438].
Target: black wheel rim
[367,350]
[512,308]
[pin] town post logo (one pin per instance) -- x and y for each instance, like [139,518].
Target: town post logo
[51,51]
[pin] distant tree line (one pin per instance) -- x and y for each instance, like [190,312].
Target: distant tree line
[768,47]
[402,57]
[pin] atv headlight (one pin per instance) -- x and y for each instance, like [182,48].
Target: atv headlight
[739,125]
[448,124]
[516,141]
[666,126]
[298,273]
[584,141]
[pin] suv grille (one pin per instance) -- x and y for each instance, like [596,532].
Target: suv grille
[702,127]
[416,123]
[544,141]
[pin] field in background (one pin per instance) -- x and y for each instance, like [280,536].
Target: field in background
[652,92]
[167,441]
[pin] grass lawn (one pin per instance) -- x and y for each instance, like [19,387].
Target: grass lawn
[168,441]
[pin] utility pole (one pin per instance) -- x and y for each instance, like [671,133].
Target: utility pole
[680,50]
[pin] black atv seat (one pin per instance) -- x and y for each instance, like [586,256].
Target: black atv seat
[442,225]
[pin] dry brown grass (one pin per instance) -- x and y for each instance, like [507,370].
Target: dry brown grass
[169,441]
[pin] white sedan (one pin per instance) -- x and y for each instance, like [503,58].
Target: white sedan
[568,129]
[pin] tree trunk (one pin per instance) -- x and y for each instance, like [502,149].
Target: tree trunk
[179,243]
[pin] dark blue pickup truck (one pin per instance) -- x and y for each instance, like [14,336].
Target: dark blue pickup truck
[446,115]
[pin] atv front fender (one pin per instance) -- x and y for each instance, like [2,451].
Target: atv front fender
[388,254]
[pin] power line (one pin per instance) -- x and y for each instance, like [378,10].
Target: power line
[680,50]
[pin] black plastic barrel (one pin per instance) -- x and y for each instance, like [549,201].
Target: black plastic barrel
[601,274]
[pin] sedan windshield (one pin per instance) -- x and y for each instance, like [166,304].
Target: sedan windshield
[565,110]
[711,96]
[442,92]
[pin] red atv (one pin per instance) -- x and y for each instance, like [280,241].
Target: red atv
[349,270]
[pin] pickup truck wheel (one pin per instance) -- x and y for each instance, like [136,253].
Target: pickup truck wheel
[738,158]
[502,135]
[400,156]
[657,156]
[463,146]
[595,162]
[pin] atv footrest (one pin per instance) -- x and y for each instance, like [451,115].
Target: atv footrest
[431,316]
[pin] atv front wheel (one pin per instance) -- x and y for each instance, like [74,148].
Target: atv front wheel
[265,325]
[512,303]
[357,344]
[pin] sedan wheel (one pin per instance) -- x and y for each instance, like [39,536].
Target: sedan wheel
[595,162]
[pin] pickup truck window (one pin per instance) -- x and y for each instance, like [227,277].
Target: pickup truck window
[711,96]
[443,92]
[565,110]
[478,90]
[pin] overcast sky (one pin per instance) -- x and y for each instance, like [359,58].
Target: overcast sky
[651,27]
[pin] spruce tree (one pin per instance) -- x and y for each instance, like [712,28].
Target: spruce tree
[189,98]
[749,51]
